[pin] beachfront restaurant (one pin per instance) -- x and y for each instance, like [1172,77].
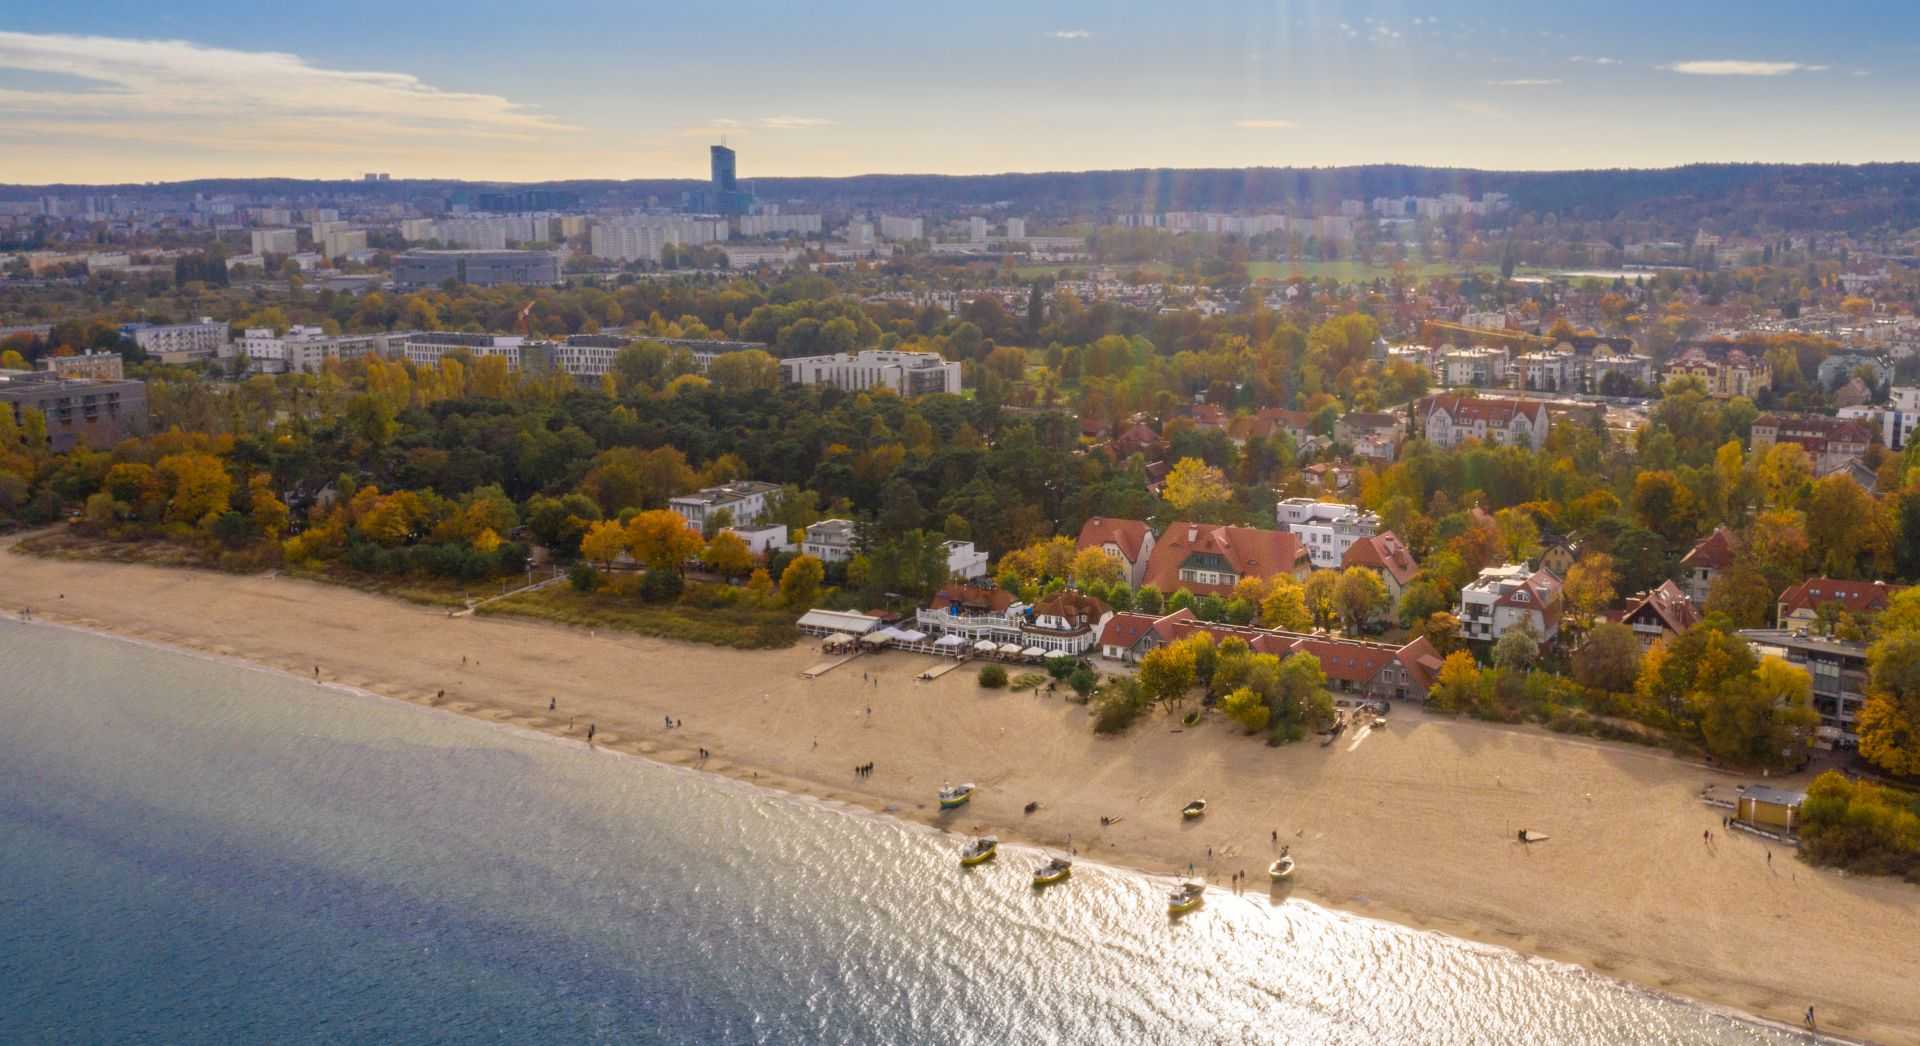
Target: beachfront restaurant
[840,623]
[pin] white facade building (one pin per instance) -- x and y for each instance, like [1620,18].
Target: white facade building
[779,225]
[1327,528]
[183,342]
[964,561]
[829,541]
[907,373]
[338,242]
[1016,229]
[744,500]
[275,241]
[892,228]
[1504,597]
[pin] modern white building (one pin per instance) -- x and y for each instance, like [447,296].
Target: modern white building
[907,373]
[964,561]
[977,229]
[745,501]
[183,342]
[830,540]
[1504,597]
[428,348]
[1016,229]
[763,541]
[1327,528]
[306,350]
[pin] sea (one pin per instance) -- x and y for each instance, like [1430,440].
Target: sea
[198,851]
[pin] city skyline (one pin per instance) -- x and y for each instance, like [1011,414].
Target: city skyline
[119,93]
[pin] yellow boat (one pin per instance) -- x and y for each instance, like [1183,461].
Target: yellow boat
[1186,898]
[1054,871]
[955,795]
[980,851]
[1281,869]
[1194,809]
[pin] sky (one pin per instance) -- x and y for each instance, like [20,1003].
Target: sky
[131,90]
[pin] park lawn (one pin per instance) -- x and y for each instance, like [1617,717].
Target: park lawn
[741,626]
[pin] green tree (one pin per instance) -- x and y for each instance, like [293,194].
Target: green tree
[800,581]
[1248,709]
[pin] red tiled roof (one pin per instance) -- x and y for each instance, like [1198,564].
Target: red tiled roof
[1714,552]
[1385,553]
[1855,597]
[972,597]
[1468,409]
[1124,629]
[1248,552]
[1675,610]
[1128,534]
[1071,605]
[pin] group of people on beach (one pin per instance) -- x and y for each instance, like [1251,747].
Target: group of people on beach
[863,770]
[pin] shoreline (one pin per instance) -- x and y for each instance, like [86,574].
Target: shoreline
[221,616]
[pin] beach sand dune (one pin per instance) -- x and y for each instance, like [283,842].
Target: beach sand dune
[1414,823]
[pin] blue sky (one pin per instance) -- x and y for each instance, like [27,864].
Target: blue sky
[99,92]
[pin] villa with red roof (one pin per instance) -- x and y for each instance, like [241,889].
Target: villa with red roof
[1386,555]
[1800,605]
[1664,611]
[1209,559]
[1706,561]
[1375,671]
[1448,421]
[1129,541]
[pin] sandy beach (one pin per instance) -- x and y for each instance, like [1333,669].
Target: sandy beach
[1414,822]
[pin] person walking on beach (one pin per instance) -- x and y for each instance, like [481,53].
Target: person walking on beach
[591,729]
[552,702]
[1810,1022]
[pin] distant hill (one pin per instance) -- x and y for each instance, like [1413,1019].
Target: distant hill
[1730,197]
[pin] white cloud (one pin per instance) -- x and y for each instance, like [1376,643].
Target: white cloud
[103,90]
[792,123]
[1265,125]
[1740,67]
[1522,83]
[1594,61]
[1070,34]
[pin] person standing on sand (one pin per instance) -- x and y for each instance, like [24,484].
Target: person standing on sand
[591,728]
[552,703]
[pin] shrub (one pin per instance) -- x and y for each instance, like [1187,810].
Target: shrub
[1122,702]
[993,677]
[1029,681]
[583,577]
[1083,680]
[659,586]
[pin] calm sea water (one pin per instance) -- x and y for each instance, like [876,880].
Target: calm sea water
[193,851]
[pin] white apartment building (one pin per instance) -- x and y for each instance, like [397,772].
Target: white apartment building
[306,350]
[763,541]
[859,234]
[318,230]
[1504,597]
[342,241]
[1547,371]
[643,237]
[907,373]
[1016,229]
[183,342]
[1897,420]
[763,254]
[428,348]
[745,500]
[1478,366]
[1327,528]
[829,541]
[480,234]
[779,225]
[414,230]
[275,241]
[892,228]
[977,229]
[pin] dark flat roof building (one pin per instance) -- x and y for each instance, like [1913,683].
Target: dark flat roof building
[103,412]
[480,268]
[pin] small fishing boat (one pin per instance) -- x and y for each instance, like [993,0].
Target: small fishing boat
[1527,836]
[1194,809]
[980,851]
[1054,871]
[1186,898]
[955,795]
[1281,869]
